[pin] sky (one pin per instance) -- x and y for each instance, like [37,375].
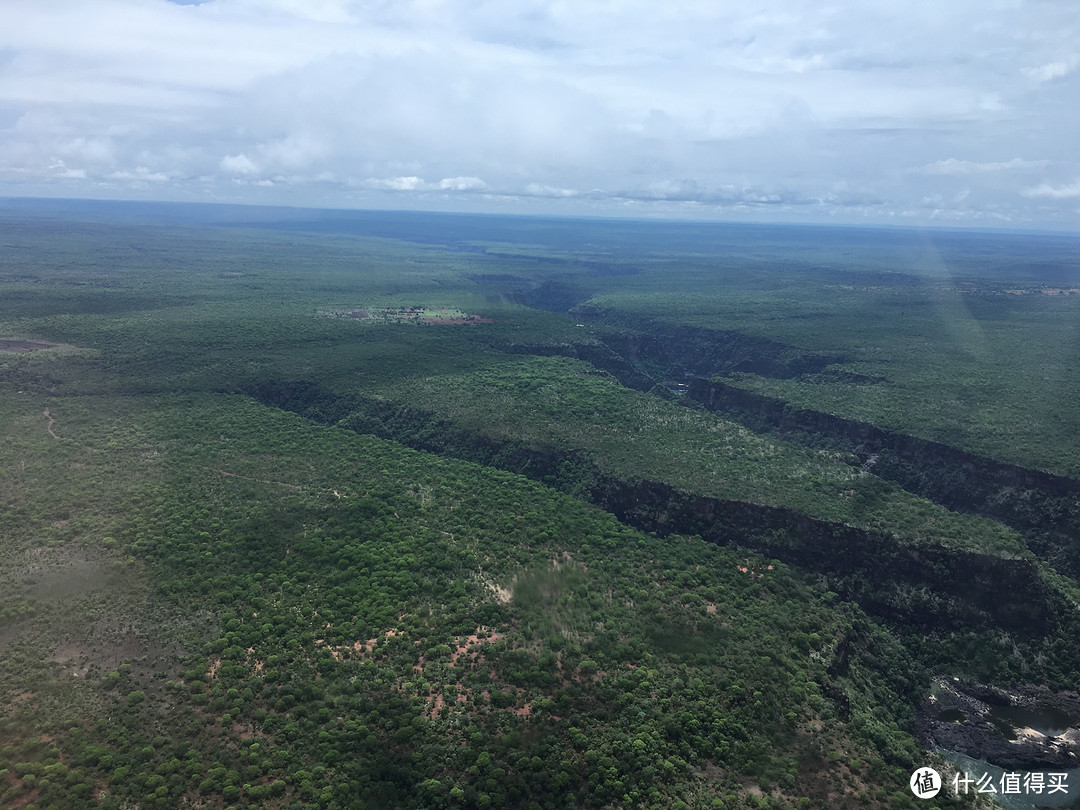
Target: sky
[920,112]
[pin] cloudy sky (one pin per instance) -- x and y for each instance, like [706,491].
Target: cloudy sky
[952,112]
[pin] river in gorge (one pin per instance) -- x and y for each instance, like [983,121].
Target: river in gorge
[1015,788]
[1025,798]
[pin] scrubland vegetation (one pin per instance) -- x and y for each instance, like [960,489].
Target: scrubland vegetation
[231,579]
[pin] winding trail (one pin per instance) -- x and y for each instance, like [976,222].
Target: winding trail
[256,480]
[52,422]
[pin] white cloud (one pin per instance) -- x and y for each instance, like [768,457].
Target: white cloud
[142,174]
[1053,192]
[59,170]
[541,190]
[762,103]
[1052,70]
[395,183]
[238,164]
[462,184]
[293,152]
[87,150]
[325,11]
[954,166]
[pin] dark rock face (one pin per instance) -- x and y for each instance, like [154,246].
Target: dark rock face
[961,718]
[687,351]
[919,587]
[648,353]
[663,351]
[552,296]
[643,354]
[1043,507]
[598,355]
[923,588]
[870,439]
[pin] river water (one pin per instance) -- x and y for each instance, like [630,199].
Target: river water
[1008,719]
[976,768]
[1045,720]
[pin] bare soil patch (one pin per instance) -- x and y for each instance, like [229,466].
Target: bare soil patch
[483,635]
[431,316]
[23,346]
[80,657]
[55,580]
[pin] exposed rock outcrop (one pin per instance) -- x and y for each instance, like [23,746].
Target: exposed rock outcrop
[962,718]
[1043,506]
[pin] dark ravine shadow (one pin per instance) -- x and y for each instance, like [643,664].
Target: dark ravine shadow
[918,587]
[1043,507]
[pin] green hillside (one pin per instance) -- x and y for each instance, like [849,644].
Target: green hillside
[299,518]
